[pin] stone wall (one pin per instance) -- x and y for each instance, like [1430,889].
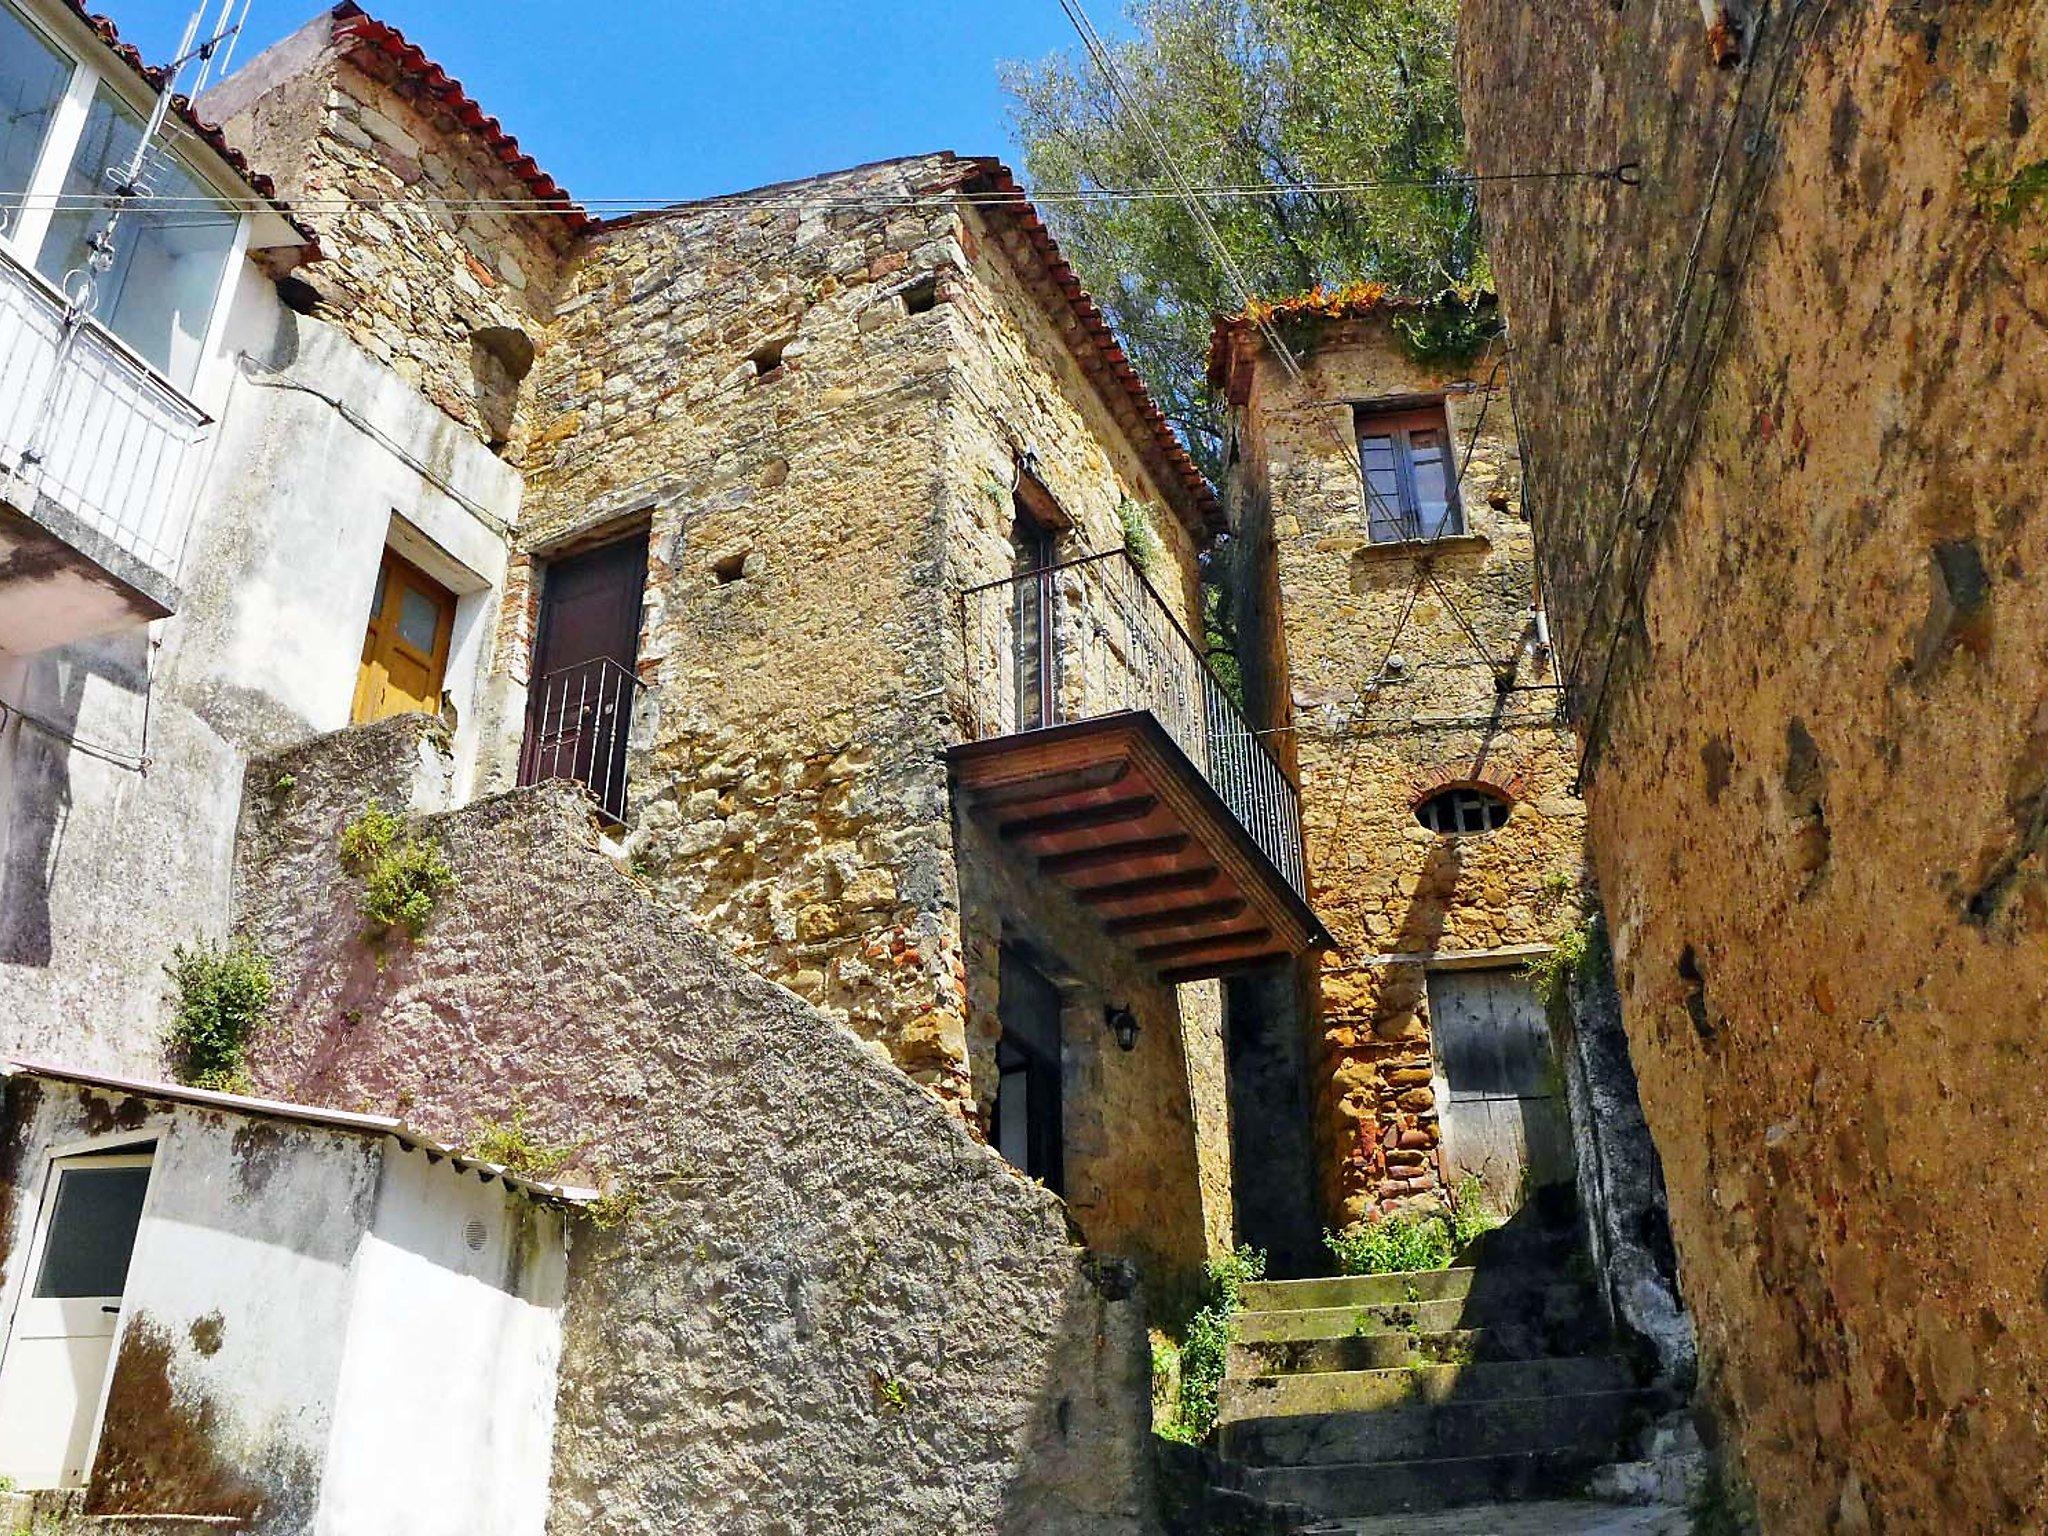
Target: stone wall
[828,1306]
[786,784]
[453,298]
[818,412]
[1321,608]
[1815,808]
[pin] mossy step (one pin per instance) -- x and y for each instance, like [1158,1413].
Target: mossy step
[1554,1305]
[1323,1392]
[1339,1491]
[1483,1426]
[1355,1290]
[1377,1351]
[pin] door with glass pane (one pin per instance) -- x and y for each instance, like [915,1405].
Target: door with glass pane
[405,648]
[62,1338]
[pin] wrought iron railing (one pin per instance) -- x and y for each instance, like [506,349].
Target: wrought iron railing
[1092,637]
[85,424]
[579,725]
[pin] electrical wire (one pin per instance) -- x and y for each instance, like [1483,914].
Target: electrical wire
[1627,173]
[1706,350]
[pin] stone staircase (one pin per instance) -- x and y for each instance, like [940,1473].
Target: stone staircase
[1373,1394]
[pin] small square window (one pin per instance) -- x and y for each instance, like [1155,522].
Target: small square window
[1408,475]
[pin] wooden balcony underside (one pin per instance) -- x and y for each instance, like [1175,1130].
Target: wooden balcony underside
[1113,810]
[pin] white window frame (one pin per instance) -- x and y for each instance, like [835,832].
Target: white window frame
[24,242]
[149,1143]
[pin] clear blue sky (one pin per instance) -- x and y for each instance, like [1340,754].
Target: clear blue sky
[668,99]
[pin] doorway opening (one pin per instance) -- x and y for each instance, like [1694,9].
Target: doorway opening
[1026,1123]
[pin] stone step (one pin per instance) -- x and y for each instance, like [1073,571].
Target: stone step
[1378,1351]
[1338,1392]
[1355,1290]
[1550,1305]
[1585,1421]
[1344,1490]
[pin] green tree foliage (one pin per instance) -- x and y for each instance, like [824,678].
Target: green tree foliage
[1266,94]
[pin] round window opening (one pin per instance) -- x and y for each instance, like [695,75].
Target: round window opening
[1464,812]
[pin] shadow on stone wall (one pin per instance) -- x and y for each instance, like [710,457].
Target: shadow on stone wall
[826,1306]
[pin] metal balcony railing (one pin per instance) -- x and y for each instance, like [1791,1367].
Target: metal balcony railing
[87,425]
[1091,637]
[579,723]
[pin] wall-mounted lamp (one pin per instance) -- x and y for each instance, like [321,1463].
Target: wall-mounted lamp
[1123,1024]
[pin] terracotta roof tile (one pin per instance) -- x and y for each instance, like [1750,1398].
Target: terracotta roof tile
[1352,301]
[1196,503]
[356,28]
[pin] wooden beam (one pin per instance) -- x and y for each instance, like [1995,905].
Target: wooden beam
[1237,967]
[1176,917]
[1053,786]
[1111,813]
[1112,854]
[1149,885]
[1226,942]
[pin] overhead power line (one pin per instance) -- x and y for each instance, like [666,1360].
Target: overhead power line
[1627,173]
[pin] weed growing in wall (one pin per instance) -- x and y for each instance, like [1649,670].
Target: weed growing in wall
[1411,1241]
[1579,954]
[224,997]
[1206,1345]
[1139,536]
[403,875]
[1452,328]
[512,1144]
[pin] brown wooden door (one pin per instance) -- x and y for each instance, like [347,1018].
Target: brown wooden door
[405,648]
[580,704]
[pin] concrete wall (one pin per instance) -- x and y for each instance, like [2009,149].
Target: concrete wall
[831,1307]
[1320,607]
[1815,806]
[307,1340]
[321,457]
[445,1413]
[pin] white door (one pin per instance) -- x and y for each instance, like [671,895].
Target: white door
[1499,1090]
[63,1335]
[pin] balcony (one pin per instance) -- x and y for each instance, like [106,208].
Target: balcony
[99,468]
[1105,750]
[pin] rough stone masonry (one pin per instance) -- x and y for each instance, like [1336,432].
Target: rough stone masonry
[1784,403]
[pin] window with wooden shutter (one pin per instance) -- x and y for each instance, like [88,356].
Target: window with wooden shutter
[1410,482]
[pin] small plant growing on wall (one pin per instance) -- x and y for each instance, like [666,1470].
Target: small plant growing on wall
[403,875]
[1139,536]
[512,1144]
[224,997]
[1205,1346]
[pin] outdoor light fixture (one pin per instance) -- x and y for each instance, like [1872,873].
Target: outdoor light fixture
[1123,1024]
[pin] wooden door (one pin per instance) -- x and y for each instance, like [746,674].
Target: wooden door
[580,702]
[405,648]
[62,1338]
[1027,1125]
[1500,1091]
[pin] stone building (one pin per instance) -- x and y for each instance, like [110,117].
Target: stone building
[868,961]
[1782,403]
[1384,587]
